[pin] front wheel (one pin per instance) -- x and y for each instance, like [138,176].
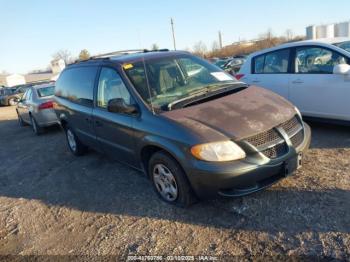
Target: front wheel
[74,144]
[170,181]
[36,128]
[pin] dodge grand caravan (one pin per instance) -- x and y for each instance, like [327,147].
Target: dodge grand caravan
[192,128]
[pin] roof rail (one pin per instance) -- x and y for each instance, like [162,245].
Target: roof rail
[121,52]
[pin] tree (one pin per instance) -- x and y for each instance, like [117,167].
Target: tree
[289,35]
[200,49]
[154,47]
[84,55]
[63,54]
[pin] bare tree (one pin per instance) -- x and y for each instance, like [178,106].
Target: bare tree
[65,55]
[84,54]
[200,49]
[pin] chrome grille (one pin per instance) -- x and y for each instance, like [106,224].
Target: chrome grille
[292,126]
[276,151]
[272,144]
[262,139]
[297,139]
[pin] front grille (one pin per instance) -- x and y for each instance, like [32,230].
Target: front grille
[276,151]
[272,144]
[297,139]
[292,126]
[262,139]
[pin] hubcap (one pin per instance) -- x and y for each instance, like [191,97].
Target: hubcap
[165,182]
[12,102]
[71,140]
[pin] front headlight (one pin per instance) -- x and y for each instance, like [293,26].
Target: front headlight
[218,151]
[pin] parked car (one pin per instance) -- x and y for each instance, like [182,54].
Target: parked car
[36,107]
[234,65]
[10,96]
[313,75]
[192,128]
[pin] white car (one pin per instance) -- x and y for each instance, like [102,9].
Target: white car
[314,75]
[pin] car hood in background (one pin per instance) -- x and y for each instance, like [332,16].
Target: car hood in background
[236,116]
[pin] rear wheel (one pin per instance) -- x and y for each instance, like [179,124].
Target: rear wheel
[36,128]
[12,101]
[20,120]
[170,181]
[74,144]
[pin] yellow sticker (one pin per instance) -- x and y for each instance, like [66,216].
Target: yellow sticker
[128,66]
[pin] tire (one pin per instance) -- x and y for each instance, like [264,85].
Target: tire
[20,121]
[12,101]
[171,183]
[74,144]
[38,130]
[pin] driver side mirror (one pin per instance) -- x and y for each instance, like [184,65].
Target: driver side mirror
[343,69]
[118,105]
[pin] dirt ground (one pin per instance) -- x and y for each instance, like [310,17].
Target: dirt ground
[52,203]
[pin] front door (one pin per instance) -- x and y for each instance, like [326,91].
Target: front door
[314,89]
[114,131]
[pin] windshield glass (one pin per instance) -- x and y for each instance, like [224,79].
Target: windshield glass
[174,78]
[344,45]
[46,91]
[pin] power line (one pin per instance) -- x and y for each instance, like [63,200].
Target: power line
[173,31]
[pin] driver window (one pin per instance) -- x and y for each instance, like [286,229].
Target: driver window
[111,86]
[316,60]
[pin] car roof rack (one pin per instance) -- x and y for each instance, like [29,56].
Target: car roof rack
[126,52]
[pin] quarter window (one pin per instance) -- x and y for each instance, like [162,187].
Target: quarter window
[77,84]
[111,86]
[316,60]
[272,63]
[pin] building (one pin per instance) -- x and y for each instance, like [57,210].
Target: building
[328,31]
[10,80]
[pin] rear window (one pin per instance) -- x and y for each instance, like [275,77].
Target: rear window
[77,84]
[272,63]
[46,91]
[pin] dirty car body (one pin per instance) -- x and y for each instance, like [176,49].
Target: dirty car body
[226,137]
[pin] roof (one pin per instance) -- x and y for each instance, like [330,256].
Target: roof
[44,85]
[132,58]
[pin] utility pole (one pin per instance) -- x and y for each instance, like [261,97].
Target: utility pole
[173,31]
[220,40]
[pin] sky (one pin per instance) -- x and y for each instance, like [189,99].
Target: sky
[32,31]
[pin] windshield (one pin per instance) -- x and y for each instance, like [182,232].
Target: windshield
[344,45]
[46,91]
[174,78]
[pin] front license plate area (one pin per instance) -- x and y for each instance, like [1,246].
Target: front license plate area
[292,165]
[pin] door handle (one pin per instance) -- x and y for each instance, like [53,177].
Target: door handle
[298,81]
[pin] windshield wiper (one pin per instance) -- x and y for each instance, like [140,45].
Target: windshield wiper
[201,92]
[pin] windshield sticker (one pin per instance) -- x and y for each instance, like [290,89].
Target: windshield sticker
[128,66]
[221,76]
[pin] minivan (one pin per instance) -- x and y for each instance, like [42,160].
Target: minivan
[192,128]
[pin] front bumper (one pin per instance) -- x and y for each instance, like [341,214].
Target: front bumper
[239,178]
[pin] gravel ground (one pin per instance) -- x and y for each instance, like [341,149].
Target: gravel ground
[52,203]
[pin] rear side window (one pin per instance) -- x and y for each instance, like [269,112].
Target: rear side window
[77,84]
[46,91]
[272,63]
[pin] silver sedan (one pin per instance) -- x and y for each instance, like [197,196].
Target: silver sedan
[36,107]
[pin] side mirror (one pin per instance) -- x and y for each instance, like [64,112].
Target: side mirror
[118,105]
[343,69]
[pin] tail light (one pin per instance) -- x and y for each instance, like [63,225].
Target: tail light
[46,105]
[239,76]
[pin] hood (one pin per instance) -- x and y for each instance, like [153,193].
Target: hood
[236,116]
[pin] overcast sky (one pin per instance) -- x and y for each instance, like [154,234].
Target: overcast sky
[31,31]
